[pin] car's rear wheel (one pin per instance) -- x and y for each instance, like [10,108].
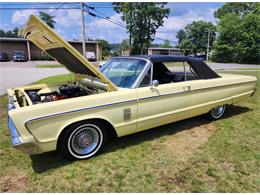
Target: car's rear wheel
[217,112]
[83,140]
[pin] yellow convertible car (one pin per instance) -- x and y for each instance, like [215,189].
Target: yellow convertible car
[125,96]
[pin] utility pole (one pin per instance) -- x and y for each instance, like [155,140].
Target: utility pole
[83,29]
[208,45]
[130,33]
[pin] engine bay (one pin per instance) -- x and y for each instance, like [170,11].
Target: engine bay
[58,93]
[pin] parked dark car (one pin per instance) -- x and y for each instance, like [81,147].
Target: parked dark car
[3,57]
[202,56]
[19,56]
[199,56]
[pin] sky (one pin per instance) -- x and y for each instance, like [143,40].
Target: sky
[68,21]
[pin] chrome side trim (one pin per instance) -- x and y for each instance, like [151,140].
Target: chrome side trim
[191,90]
[128,101]
[162,95]
[94,107]
[73,111]
[222,85]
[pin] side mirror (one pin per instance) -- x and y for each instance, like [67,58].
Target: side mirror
[155,83]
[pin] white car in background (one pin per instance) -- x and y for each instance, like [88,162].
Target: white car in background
[90,56]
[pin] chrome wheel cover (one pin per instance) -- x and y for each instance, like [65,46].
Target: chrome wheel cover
[217,112]
[85,141]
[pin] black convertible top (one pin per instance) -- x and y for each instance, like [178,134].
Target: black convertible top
[199,67]
[166,58]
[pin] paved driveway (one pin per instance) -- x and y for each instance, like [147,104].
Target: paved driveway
[14,74]
[219,66]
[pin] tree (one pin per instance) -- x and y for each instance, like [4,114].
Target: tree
[239,8]
[181,35]
[229,32]
[15,32]
[105,48]
[10,33]
[2,33]
[142,20]
[248,46]
[48,19]
[166,44]
[193,38]
[124,44]
[239,33]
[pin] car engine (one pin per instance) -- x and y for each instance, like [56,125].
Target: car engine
[63,92]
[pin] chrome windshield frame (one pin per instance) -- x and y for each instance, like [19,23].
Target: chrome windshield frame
[141,75]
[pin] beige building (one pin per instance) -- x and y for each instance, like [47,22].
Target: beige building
[164,51]
[32,52]
[156,51]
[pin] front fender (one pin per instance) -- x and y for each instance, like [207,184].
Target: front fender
[49,129]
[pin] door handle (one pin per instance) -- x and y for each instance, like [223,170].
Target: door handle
[187,88]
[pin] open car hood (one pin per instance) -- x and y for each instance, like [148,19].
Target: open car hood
[50,42]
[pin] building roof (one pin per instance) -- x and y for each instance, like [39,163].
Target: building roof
[12,39]
[163,48]
[23,40]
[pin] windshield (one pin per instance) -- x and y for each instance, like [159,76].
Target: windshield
[123,72]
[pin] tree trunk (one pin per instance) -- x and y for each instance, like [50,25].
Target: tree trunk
[148,37]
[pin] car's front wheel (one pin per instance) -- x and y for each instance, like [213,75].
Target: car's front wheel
[217,112]
[82,140]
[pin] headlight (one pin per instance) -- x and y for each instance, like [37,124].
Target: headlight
[11,105]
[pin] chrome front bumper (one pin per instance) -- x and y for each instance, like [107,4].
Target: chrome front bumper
[15,136]
[17,141]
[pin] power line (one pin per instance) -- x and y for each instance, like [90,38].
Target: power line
[95,15]
[164,39]
[39,8]
[37,3]
[115,21]
[57,8]
[104,6]
[107,17]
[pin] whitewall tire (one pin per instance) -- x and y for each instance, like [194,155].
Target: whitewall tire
[83,140]
[217,112]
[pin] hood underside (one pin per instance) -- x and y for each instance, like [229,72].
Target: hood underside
[50,42]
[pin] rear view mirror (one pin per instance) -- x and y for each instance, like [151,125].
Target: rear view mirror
[155,83]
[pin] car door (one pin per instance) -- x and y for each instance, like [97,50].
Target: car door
[206,95]
[163,104]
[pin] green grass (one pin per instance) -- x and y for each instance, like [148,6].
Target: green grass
[245,69]
[50,66]
[193,155]
[57,79]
